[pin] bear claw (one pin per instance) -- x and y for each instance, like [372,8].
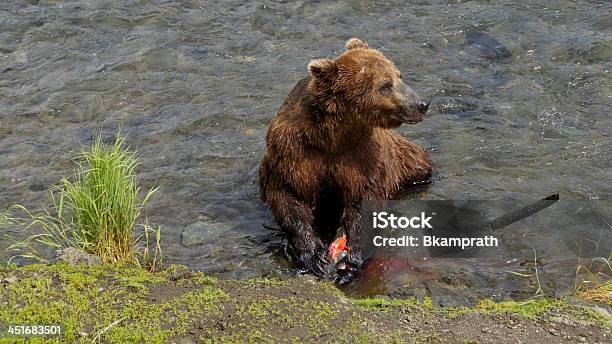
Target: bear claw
[316,262]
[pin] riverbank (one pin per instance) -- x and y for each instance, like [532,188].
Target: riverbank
[124,304]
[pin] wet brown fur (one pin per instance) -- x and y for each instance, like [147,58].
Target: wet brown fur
[333,133]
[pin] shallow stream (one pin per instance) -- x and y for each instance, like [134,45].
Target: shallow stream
[520,90]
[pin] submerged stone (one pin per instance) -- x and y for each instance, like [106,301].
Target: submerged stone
[489,47]
[199,233]
[75,256]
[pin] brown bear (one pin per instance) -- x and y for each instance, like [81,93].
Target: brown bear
[332,140]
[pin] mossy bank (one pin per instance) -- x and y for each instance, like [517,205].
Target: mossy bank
[123,304]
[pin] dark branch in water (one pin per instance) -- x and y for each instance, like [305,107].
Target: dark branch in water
[522,213]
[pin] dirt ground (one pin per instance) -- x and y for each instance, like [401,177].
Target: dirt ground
[129,305]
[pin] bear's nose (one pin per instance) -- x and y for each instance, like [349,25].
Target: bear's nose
[423,106]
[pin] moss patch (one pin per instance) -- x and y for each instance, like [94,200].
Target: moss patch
[125,304]
[529,309]
[86,300]
[541,308]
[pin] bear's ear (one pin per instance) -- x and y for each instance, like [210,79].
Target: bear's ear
[356,43]
[322,68]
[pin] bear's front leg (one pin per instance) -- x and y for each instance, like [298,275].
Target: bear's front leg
[351,222]
[295,218]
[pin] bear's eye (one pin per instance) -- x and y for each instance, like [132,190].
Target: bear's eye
[386,88]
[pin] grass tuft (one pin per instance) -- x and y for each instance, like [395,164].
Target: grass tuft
[593,280]
[95,210]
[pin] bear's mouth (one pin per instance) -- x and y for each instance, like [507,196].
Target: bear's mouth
[413,120]
[411,116]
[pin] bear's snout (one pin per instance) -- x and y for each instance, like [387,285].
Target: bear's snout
[411,108]
[413,112]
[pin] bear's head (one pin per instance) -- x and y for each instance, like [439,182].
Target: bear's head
[364,85]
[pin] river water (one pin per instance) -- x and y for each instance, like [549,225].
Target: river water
[520,90]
